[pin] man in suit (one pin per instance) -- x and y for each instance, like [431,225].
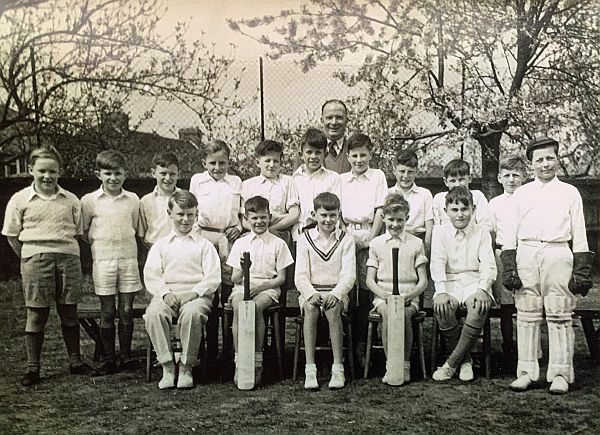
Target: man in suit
[334,116]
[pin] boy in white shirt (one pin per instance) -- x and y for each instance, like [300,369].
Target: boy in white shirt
[420,200]
[110,218]
[279,189]
[463,269]
[363,193]
[545,272]
[311,178]
[325,274]
[512,173]
[269,256]
[458,173]
[154,218]
[183,273]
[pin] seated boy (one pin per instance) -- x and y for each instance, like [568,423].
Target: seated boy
[42,223]
[183,271]
[270,257]
[463,269]
[412,280]
[154,219]
[325,274]
[420,219]
[458,173]
[277,188]
[110,222]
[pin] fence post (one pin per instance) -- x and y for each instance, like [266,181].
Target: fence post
[262,98]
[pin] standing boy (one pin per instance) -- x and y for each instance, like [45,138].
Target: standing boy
[458,173]
[269,256]
[548,215]
[277,188]
[311,178]
[412,279]
[182,272]
[363,193]
[154,219]
[463,269]
[512,173]
[420,200]
[110,222]
[41,224]
[325,274]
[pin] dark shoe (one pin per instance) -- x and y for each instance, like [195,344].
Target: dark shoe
[30,378]
[108,368]
[130,365]
[81,369]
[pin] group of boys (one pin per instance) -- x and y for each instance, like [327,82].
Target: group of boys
[341,228]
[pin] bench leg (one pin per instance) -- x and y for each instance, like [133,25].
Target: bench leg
[592,337]
[93,330]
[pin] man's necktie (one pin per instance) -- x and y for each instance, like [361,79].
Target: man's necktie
[332,149]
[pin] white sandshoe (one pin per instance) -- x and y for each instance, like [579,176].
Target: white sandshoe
[168,378]
[185,381]
[310,381]
[466,372]
[522,383]
[338,380]
[443,373]
[559,385]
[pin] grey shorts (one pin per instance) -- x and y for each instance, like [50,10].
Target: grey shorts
[51,278]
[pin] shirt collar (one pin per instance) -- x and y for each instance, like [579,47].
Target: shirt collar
[194,235]
[205,177]
[540,185]
[262,179]
[315,234]
[368,174]
[100,192]
[302,171]
[33,193]
[389,237]
[467,230]
[253,236]
[157,192]
[413,188]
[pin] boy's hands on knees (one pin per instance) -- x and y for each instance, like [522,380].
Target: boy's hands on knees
[442,305]
[172,301]
[232,233]
[315,300]
[254,291]
[186,297]
[329,301]
[482,302]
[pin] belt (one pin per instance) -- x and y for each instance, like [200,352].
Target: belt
[542,243]
[323,288]
[359,225]
[212,230]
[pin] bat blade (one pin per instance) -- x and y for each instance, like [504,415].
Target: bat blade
[395,347]
[246,334]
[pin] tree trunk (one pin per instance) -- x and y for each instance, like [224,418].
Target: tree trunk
[489,141]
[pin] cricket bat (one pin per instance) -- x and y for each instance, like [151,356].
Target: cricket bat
[395,346]
[246,332]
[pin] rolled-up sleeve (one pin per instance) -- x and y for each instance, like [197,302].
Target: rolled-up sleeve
[439,259]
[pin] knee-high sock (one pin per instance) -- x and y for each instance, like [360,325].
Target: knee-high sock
[34,342]
[468,338]
[107,335]
[125,338]
[71,338]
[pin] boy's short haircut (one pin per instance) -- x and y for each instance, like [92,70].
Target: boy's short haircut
[314,138]
[45,153]
[184,199]
[110,159]
[358,140]
[513,162]
[165,160]
[459,195]
[268,146]
[340,102]
[457,168]
[214,146]
[407,158]
[327,201]
[256,204]
[395,203]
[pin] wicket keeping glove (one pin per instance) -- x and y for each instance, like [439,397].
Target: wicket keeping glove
[581,277]
[510,277]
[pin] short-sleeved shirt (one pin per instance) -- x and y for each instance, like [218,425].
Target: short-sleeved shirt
[280,192]
[268,255]
[362,194]
[309,186]
[154,218]
[111,223]
[420,202]
[482,212]
[44,224]
[503,215]
[219,202]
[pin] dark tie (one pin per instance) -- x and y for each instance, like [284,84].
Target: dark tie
[332,149]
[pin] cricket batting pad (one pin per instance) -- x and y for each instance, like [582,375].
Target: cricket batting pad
[529,320]
[559,316]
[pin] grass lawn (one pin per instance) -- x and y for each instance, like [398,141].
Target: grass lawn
[125,403]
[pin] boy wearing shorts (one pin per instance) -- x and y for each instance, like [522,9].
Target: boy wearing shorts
[42,223]
[325,274]
[412,279]
[110,223]
[183,272]
[463,269]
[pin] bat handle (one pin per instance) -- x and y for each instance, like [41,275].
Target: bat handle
[395,252]
[246,270]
